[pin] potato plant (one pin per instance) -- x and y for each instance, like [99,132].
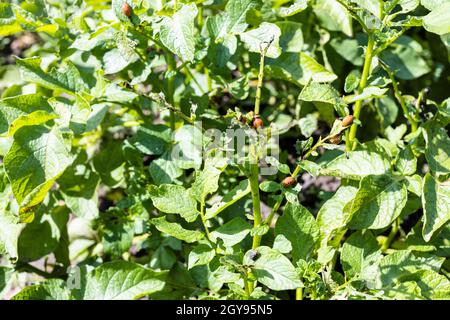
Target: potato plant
[225,149]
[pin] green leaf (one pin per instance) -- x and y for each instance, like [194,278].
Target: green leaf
[404,263]
[6,14]
[152,140]
[66,77]
[331,216]
[351,82]
[438,20]
[163,258]
[110,169]
[405,59]
[369,92]
[308,125]
[267,34]
[32,119]
[373,6]
[433,4]
[360,256]
[206,182]
[178,32]
[201,254]
[42,236]
[78,185]
[269,186]
[53,289]
[164,170]
[378,202]
[115,61]
[187,152]
[433,285]
[350,49]
[10,229]
[282,244]
[121,280]
[437,149]
[291,39]
[171,198]
[5,280]
[298,68]
[387,110]
[22,107]
[240,87]
[36,159]
[369,159]
[297,7]
[298,225]
[406,162]
[414,184]
[177,231]
[436,205]
[235,16]
[232,232]
[333,16]
[236,194]
[87,42]
[320,92]
[272,269]
[406,5]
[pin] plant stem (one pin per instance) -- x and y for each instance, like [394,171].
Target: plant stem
[208,79]
[254,166]
[171,87]
[193,78]
[247,288]
[299,294]
[401,100]
[351,144]
[294,175]
[26,267]
[260,81]
[391,236]
[204,221]
[256,201]
[200,16]
[275,208]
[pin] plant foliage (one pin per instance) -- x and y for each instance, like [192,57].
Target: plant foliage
[112,188]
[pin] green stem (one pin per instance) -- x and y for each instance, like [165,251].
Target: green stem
[260,81]
[351,144]
[275,208]
[200,16]
[294,175]
[171,87]
[204,221]
[26,267]
[157,98]
[401,100]
[391,236]
[299,294]
[208,79]
[247,288]
[256,201]
[191,75]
